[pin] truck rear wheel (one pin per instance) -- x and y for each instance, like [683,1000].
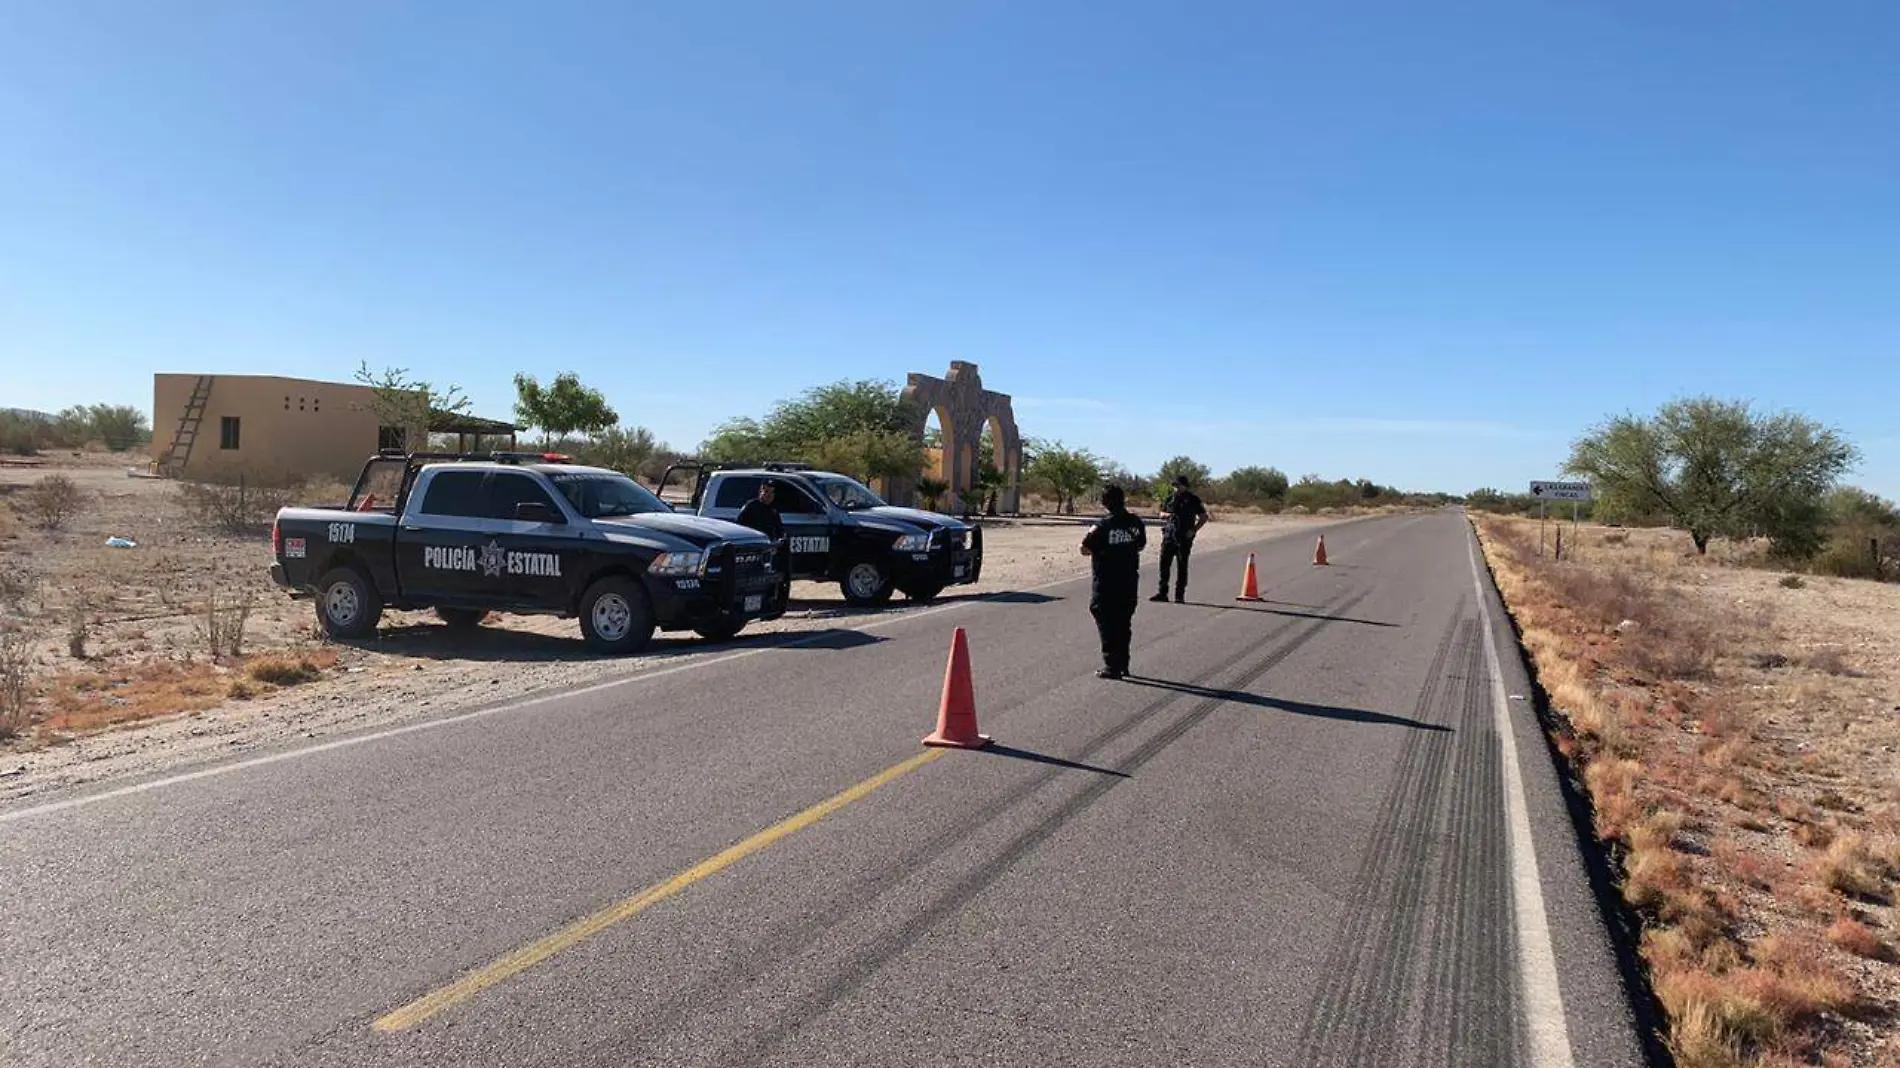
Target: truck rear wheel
[347,605]
[867,583]
[615,617]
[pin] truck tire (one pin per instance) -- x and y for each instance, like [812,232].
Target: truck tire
[867,583]
[461,620]
[725,629]
[347,605]
[924,592]
[615,616]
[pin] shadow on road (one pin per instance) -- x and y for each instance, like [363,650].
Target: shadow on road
[1044,758]
[1278,704]
[1244,607]
[435,641]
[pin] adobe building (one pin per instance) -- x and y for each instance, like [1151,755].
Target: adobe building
[272,427]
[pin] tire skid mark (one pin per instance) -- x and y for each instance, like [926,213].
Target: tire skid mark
[1357,1018]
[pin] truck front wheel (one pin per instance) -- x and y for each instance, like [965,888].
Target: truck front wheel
[347,605]
[867,583]
[615,617]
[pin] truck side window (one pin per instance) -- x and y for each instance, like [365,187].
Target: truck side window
[456,493]
[794,500]
[506,490]
[735,492]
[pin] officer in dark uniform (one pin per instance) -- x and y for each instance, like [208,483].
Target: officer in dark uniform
[761,513]
[1183,517]
[1113,547]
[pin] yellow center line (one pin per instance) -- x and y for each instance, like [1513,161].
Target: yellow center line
[505,968]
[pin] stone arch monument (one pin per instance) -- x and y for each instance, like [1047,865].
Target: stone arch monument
[964,408]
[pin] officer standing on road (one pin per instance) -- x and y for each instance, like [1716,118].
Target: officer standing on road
[1113,547]
[1184,516]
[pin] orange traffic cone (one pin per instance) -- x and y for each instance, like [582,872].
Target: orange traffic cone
[1319,554]
[1249,586]
[956,716]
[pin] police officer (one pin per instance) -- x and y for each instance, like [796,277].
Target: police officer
[1184,516]
[761,513]
[1113,547]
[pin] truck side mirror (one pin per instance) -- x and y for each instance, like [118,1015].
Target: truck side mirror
[537,512]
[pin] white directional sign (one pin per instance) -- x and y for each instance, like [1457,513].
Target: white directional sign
[1561,491]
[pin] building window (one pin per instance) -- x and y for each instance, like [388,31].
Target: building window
[228,433]
[316,404]
[286,404]
[390,438]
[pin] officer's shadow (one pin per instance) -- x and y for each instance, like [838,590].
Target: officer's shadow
[1281,704]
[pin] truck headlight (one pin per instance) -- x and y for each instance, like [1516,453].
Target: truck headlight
[912,543]
[677,565]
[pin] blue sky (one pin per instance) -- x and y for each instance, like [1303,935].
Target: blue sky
[1426,247]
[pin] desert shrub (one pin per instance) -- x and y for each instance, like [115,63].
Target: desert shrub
[52,501]
[240,500]
[283,669]
[221,627]
[16,671]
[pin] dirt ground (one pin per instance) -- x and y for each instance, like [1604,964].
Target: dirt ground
[144,692]
[1738,729]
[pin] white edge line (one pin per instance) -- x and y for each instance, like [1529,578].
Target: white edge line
[448,721]
[1549,1033]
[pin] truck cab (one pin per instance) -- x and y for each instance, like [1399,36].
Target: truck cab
[838,530]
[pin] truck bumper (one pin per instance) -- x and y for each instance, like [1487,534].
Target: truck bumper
[943,566]
[683,610]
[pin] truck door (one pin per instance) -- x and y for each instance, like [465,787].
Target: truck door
[439,544]
[807,526]
[537,560]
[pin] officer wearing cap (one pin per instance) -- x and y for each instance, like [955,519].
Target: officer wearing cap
[1113,547]
[1183,517]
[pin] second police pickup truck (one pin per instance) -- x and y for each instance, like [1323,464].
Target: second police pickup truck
[525,533]
[837,530]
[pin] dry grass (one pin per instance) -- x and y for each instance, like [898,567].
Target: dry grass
[16,678]
[1699,714]
[290,669]
[91,701]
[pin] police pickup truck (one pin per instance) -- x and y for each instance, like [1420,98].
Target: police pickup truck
[837,530]
[469,534]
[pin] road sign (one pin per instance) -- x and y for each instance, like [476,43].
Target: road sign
[1561,491]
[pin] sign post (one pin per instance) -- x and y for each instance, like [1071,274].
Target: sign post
[1545,492]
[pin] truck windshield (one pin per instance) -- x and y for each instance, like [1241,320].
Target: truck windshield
[602,496]
[849,494]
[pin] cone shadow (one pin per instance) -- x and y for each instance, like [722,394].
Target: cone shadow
[1053,761]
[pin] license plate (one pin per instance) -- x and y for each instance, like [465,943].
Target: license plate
[754,602]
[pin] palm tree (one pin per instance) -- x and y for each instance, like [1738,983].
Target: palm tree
[931,489]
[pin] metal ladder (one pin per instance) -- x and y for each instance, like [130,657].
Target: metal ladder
[186,436]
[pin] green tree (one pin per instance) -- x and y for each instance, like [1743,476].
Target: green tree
[410,405]
[825,423]
[1196,473]
[119,426]
[562,407]
[1257,484]
[869,454]
[1063,473]
[72,428]
[628,450]
[1719,469]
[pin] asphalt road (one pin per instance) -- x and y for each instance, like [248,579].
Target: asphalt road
[1290,842]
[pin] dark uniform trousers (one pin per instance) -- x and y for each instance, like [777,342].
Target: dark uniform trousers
[1113,606]
[1175,550]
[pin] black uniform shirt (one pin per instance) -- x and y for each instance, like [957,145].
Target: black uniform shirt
[763,518]
[1183,507]
[1115,544]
